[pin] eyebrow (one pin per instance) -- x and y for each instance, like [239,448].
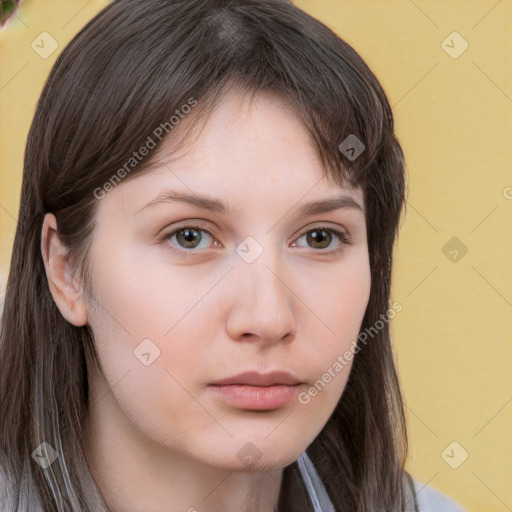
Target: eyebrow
[217,205]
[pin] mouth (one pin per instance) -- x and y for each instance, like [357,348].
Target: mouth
[257,391]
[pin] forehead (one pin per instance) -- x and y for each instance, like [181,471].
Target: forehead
[248,150]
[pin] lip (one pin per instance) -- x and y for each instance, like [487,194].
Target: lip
[253,378]
[258,391]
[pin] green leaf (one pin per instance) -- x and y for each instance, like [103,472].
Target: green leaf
[7,9]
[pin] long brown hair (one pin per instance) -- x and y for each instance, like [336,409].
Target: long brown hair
[124,74]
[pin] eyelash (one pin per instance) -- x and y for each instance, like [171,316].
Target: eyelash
[342,236]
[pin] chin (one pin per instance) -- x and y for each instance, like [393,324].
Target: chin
[252,457]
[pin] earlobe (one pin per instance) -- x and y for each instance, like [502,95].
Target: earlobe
[63,287]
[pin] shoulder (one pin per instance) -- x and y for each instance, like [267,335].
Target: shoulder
[431,500]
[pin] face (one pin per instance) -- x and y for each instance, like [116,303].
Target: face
[189,295]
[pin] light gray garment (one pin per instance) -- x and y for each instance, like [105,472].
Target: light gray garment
[429,500]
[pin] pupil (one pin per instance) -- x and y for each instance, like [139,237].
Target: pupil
[315,238]
[188,236]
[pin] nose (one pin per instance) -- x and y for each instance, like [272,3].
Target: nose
[261,304]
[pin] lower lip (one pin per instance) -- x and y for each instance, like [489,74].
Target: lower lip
[255,397]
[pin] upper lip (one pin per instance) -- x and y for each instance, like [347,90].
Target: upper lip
[254,378]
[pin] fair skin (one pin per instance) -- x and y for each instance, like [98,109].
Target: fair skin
[159,437]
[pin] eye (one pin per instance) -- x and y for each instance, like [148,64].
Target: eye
[190,237]
[321,237]
[187,239]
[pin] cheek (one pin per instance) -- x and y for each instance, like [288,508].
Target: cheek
[146,296]
[340,304]
[338,299]
[149,332]
[152,379]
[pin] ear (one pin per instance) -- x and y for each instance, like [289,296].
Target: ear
[64,288]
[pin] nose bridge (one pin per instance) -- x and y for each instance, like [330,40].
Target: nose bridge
[265,289]
[262,304]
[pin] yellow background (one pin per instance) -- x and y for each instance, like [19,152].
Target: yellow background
[453,115]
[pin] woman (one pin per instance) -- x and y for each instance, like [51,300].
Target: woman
[197,310]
